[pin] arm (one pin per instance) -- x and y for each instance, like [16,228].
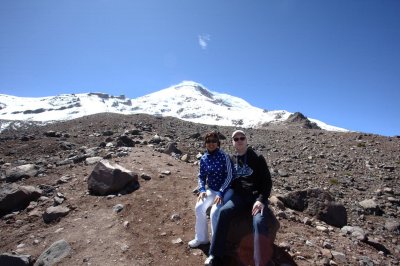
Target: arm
[228,179]
[202,176]
[264,179]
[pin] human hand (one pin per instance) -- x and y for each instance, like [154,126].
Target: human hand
[218,200]
[201,196]
[257,207]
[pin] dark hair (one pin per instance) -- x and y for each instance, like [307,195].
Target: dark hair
[213,135]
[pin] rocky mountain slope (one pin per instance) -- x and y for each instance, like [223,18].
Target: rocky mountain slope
[152,225]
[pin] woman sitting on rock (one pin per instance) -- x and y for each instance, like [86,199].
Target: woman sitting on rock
[216,172]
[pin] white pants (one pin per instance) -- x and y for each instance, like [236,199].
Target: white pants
[201,228]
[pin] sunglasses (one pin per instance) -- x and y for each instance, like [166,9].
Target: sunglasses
[240,138]
[211,141]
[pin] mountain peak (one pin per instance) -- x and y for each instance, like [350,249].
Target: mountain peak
[196,86]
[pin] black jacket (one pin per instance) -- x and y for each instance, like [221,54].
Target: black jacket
[252,175]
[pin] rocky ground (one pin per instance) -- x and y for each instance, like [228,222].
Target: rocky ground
[154,223]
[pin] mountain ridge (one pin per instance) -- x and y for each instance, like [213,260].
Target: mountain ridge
[188,100]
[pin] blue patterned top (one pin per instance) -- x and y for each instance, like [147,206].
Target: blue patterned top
[216,170]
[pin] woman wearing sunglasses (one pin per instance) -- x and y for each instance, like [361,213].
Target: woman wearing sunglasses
[252,187]
[216,172]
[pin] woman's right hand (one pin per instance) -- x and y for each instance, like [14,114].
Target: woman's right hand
[201,196]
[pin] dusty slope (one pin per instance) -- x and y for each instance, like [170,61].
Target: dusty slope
[352,166]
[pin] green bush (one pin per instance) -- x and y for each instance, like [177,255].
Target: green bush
[361,144]
[333,181]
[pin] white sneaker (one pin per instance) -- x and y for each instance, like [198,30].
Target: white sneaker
[195,243]
[209,259]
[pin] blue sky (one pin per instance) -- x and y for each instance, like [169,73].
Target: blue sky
[335,61]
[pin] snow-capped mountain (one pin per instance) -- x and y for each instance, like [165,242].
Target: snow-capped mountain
[188,101]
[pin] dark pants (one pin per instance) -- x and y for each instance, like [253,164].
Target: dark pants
[237,204]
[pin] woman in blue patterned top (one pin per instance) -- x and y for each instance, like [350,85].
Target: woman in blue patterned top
[216,172]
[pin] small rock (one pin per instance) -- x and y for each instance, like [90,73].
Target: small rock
[175,217]
[177,241]
[117,208]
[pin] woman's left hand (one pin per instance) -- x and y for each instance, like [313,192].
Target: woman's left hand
[218,200]
[257,207]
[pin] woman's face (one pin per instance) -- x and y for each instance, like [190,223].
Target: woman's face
[239,141]
[211,144]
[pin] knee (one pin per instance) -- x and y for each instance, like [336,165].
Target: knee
[225,212]
[199,209]
[258,220]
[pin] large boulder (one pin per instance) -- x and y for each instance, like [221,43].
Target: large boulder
[23,171]
[14,197]
[108,179]
[15,260]
[317,203]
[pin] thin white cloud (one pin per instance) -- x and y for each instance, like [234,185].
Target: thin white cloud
[204,40]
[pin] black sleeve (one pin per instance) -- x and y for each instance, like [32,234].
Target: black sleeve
[264,179]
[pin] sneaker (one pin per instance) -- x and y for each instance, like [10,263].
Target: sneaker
[209,260]
[195,243]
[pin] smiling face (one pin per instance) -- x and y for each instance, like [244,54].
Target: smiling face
[211,141]
[239,142]
[211,144]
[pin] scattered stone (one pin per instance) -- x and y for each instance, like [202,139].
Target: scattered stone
[370,206]
[185,158]
[282,173]
[23,171]
[339,257]
[175,217]
[166,172]
[54,213]
[54,254]
[177,241]
[145,177]
[93,160]
[326,253]
[365,261]
[125,141]
[171,148]
[117,208]
[322,228]
[64,179]
[392,225]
